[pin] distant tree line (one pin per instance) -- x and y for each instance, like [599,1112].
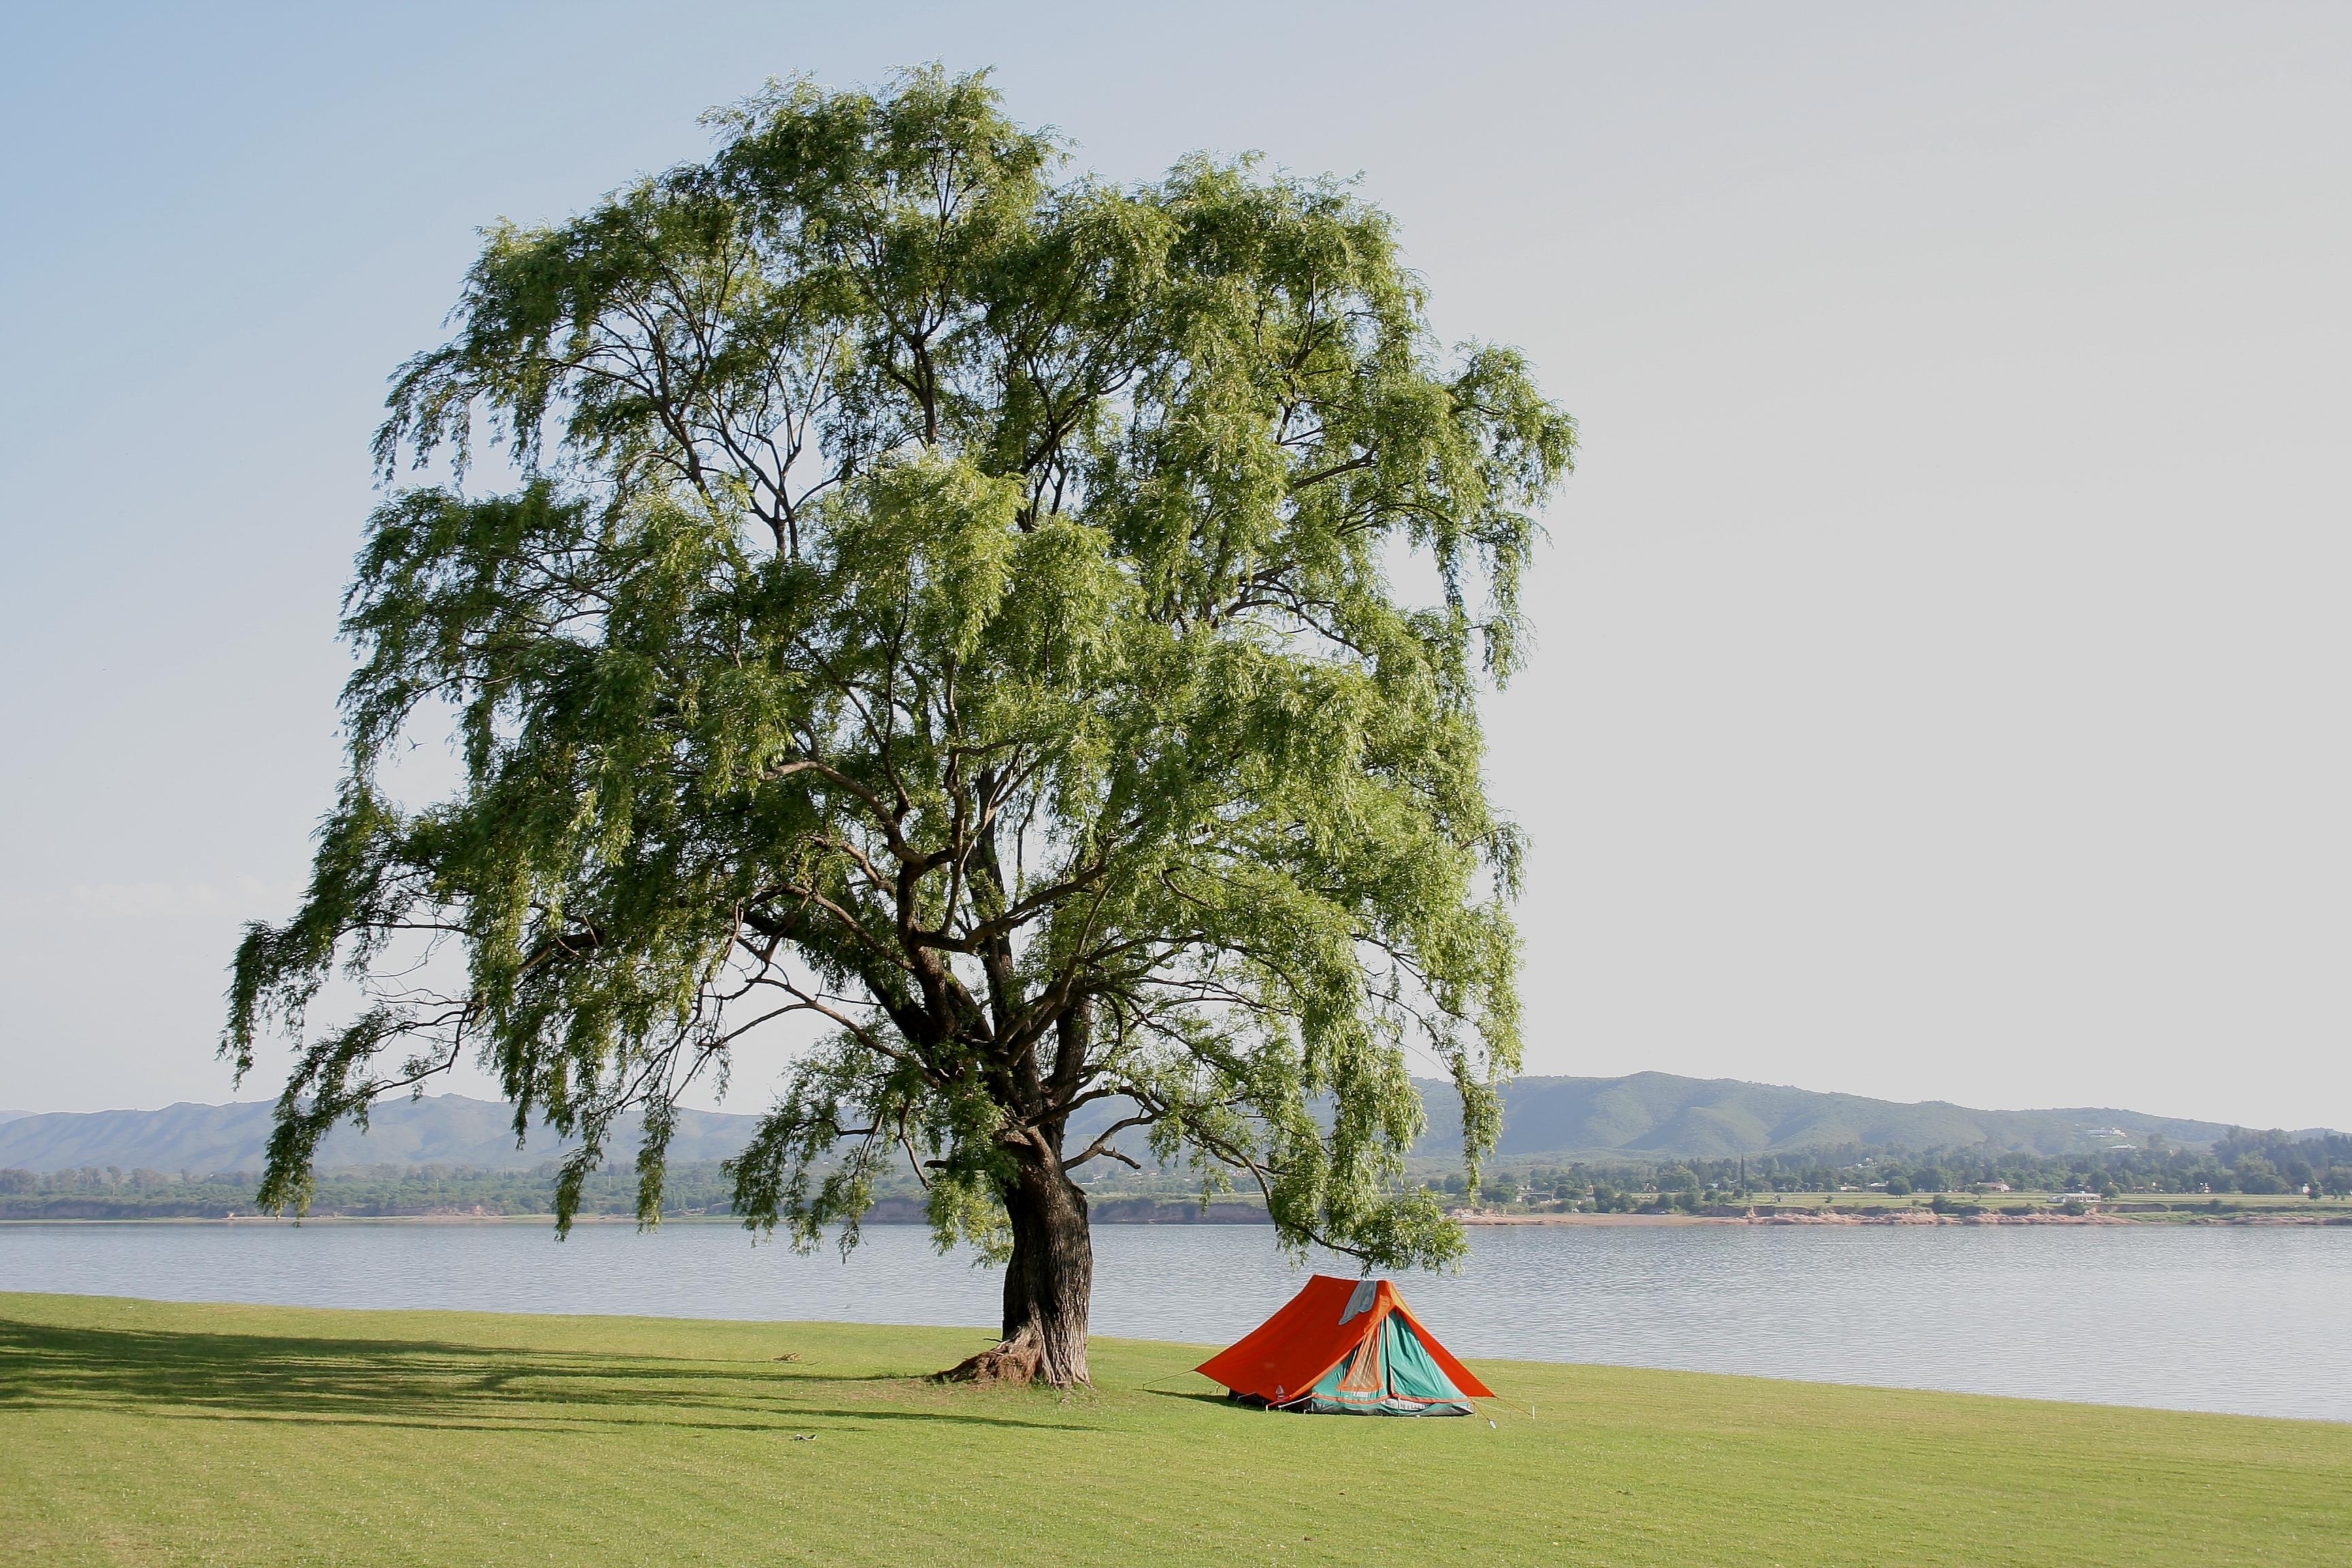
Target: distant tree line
[110,1192]
[689,1189]
[2242,1162]
[2248,1162]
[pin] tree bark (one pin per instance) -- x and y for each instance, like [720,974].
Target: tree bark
[1048,1283]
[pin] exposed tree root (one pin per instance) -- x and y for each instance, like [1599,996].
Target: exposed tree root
[1020,1360]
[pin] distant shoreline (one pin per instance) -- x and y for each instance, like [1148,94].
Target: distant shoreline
[1765,1219]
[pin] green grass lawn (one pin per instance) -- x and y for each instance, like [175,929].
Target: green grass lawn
[139,1432]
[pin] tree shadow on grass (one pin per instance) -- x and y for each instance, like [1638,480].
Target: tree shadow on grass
[406,1383]
[1202,1397]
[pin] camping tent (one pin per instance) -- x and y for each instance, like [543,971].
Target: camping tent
[1347,1347]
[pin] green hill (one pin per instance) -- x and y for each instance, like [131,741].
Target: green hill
[1658,1115]
[440,1129]
[1649,1115]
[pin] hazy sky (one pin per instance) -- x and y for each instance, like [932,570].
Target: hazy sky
[1941,689]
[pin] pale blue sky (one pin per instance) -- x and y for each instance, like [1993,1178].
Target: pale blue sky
[1942,684]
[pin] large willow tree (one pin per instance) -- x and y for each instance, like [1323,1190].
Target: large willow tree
[955,605]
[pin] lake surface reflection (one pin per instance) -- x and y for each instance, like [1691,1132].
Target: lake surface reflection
[2253,1320]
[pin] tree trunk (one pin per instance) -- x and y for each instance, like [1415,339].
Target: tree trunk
[1048,1284]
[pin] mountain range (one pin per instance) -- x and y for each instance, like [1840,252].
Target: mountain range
[1646,1116]
[439,1129]
[1656,1115]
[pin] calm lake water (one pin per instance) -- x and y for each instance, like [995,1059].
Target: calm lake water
[2258,1322]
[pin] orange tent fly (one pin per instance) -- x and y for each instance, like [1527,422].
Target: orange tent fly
[1347,1347]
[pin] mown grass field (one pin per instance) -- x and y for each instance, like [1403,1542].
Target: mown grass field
[145,1433]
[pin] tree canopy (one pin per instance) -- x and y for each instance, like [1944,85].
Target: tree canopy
[954,603]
